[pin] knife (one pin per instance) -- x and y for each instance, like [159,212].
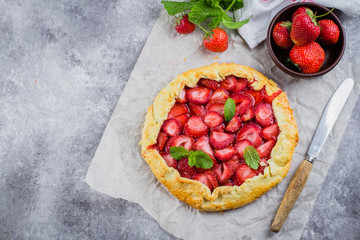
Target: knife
[297,183]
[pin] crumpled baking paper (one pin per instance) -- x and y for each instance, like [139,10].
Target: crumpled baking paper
[118,169]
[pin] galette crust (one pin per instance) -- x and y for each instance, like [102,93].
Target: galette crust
[195,193]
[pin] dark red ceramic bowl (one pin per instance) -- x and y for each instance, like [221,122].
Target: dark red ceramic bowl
[333,53]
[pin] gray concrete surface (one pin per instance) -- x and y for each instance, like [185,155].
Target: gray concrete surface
[63,65]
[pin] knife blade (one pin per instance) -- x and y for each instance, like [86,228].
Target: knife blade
[298,181]
[329,117]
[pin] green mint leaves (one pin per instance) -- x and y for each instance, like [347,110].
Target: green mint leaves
[229,109]
[174,8]
[179,152]
[251,157]
[196,158]
[201,10]
[200,160]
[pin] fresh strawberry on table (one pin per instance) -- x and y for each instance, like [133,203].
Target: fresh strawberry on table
[330,33]
[308,58]
[281,35]
[184,26]
[217,41]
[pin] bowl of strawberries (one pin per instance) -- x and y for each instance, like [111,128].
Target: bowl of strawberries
[306,40]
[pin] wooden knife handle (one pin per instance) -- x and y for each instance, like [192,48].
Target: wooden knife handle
[293,191]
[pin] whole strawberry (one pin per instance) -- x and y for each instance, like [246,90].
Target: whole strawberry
[281,35]
[184,26]
[304,28]
[298,11]
[329,33]
[217,42]
[308,58]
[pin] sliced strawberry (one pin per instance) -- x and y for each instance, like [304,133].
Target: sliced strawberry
[212,179]
[168,144]
[225,171]
[243,101]
[172,127]
[270,132]
[203,179]
[270,98]
[183,119]
[219,108]
[257,95]
[248,114]
[241,85]
[184,169]
[212,84]
[181,140]
[264,150]
[197,109]
[170,161]
[229,183]
[235,180]
[203,144]
[182,97]
[221,140]
[177,110]
[220,95]
[219,128]
[198,95]
[234,125]
[240,147]
[225,154]
[213,119]
[195,127]
[161,140]
[263,164]
[229,83]
[244,172]
[251,132]
[264,114]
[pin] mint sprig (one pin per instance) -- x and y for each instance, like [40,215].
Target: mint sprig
[179,152]
[251,157]
[195,158]
[229,109]
[201,10]
[200,160]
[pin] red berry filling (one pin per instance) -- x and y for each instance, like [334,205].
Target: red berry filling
[196,122]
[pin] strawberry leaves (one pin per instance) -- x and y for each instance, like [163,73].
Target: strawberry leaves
[251,157]
[196,158]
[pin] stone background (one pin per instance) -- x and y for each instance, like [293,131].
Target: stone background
[63,65]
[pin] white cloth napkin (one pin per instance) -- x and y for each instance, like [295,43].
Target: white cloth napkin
[263,11]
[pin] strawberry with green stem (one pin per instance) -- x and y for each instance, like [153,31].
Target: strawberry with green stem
[308,58]
[281,35]
[184,26]
[329,33]
[305,29]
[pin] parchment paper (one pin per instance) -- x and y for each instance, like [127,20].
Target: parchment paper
[119,171]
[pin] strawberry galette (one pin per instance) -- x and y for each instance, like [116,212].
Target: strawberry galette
[219,136]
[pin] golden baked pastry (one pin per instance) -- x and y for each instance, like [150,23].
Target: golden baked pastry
[189,112]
